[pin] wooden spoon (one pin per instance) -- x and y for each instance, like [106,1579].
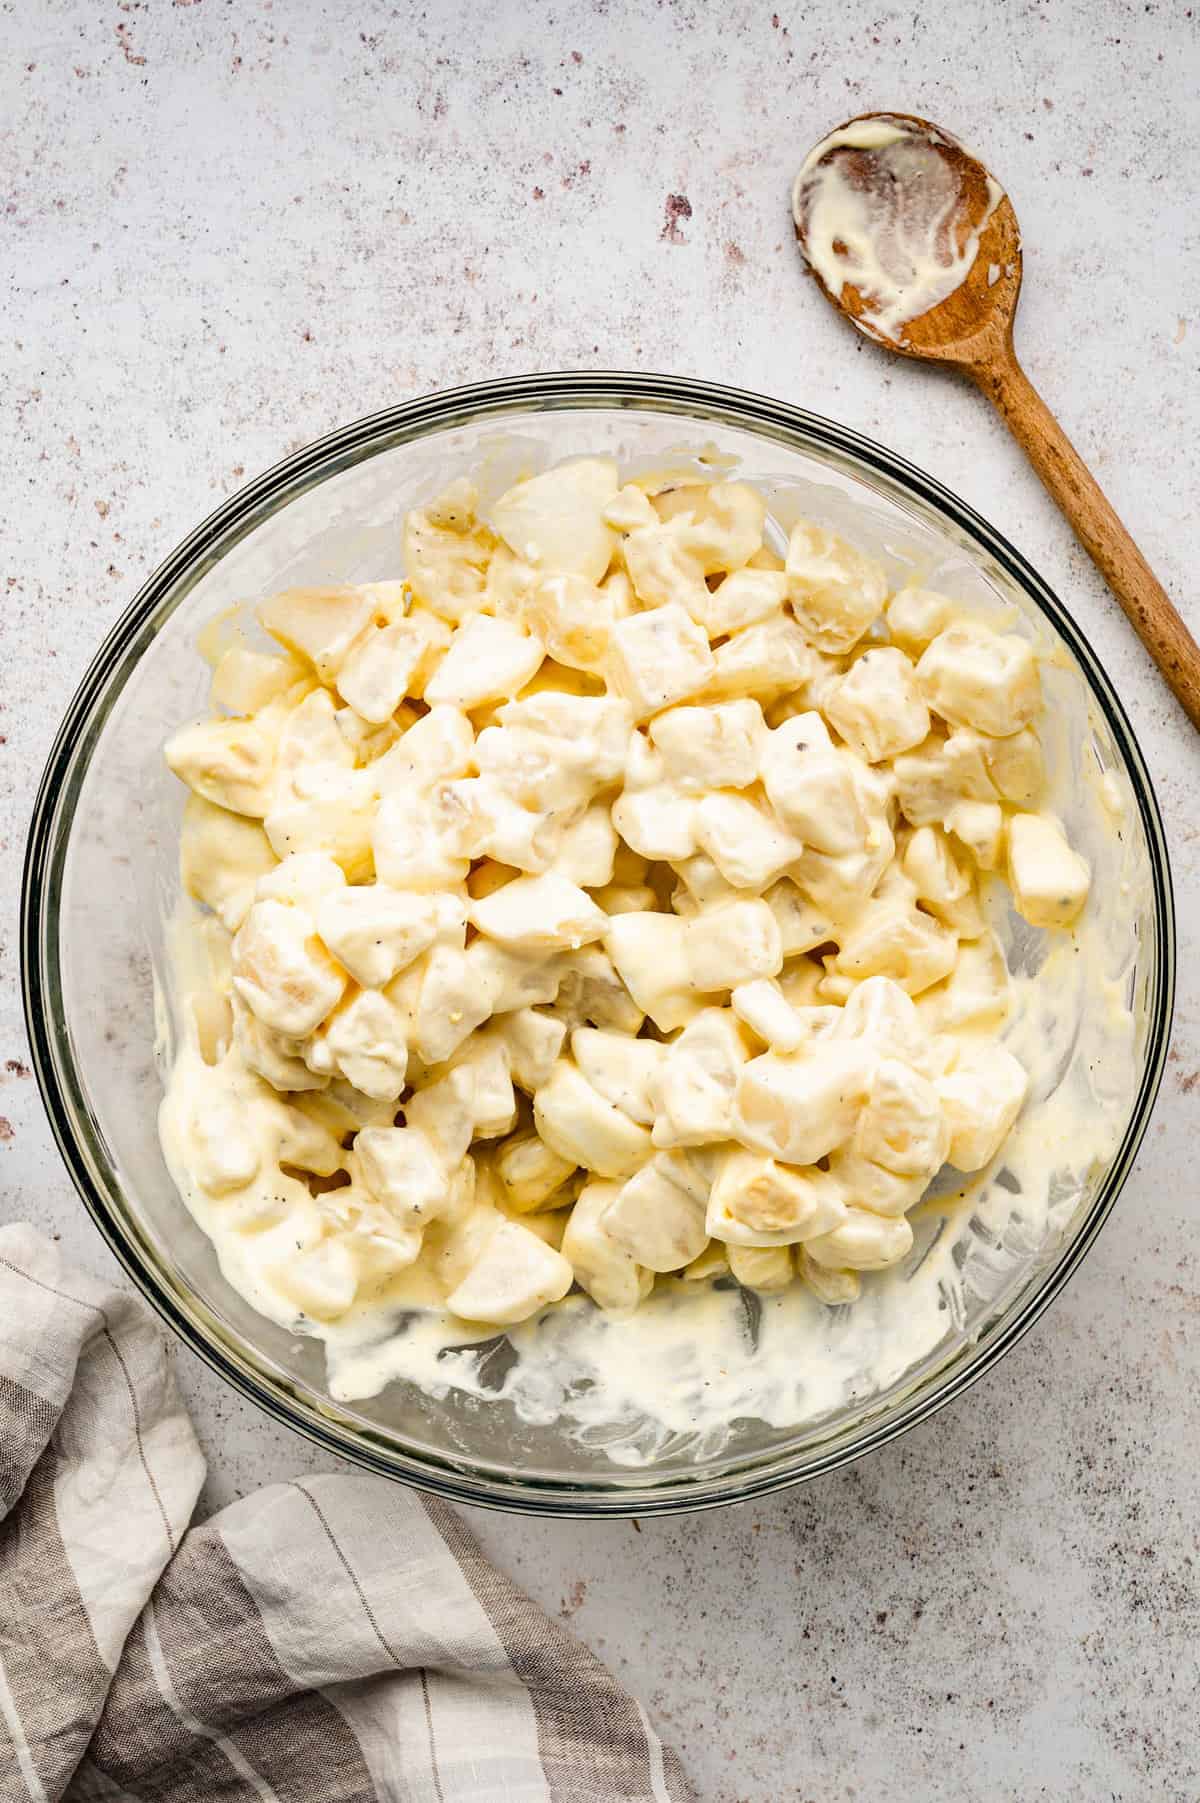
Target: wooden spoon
[891,199]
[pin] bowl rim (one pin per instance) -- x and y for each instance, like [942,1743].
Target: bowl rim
[63,1097]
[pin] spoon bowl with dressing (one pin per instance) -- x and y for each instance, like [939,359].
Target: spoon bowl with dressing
[914,240]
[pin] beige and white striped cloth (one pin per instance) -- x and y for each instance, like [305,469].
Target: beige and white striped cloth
[335,1640]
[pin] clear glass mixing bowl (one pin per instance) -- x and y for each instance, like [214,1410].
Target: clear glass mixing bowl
[101,876]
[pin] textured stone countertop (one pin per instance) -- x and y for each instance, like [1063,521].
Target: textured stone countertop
[229,226]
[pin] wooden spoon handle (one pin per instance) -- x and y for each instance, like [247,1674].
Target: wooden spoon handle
[1072,485]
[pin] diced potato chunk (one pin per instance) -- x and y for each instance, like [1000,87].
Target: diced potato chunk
[713,747]
[1016,765]
[894,939]
[488,660]
[901,1126]
[573,619]
[229,762]
[656,659]
[744,840]
[834,1288]
[386,665]
[731,943]
[282,971]
[534,1042]
[877,707]
[539,914]
[221,857]
[555,521]
[624,1070]
[812,786]
[402,1169]
[973,676]
[765,660]
[799,1108]
[516,1275]
[611,1277]
[756,1201]
[863,1242]
[366,1039]
[318,624]
[245,681]
[767,1269]
[915,616]
[744,598]
[697,1080]
[531,1171]
[836,591]
[584,1128]
[982,1097]
[943,884]
[1050,882]
[658,1215]
[322,1282]
[376,931]
[445,557]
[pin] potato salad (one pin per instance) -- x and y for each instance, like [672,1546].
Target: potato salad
[600,904]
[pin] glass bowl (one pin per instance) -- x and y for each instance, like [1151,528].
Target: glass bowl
[101,876]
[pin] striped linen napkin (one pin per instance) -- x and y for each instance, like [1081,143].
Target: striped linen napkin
[336,1640]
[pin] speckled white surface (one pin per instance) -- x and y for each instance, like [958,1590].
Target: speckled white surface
[235,225]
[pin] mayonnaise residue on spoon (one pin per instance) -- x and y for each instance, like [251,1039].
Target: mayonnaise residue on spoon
[889,226]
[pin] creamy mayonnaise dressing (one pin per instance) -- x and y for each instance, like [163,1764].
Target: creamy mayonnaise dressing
[894,229]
